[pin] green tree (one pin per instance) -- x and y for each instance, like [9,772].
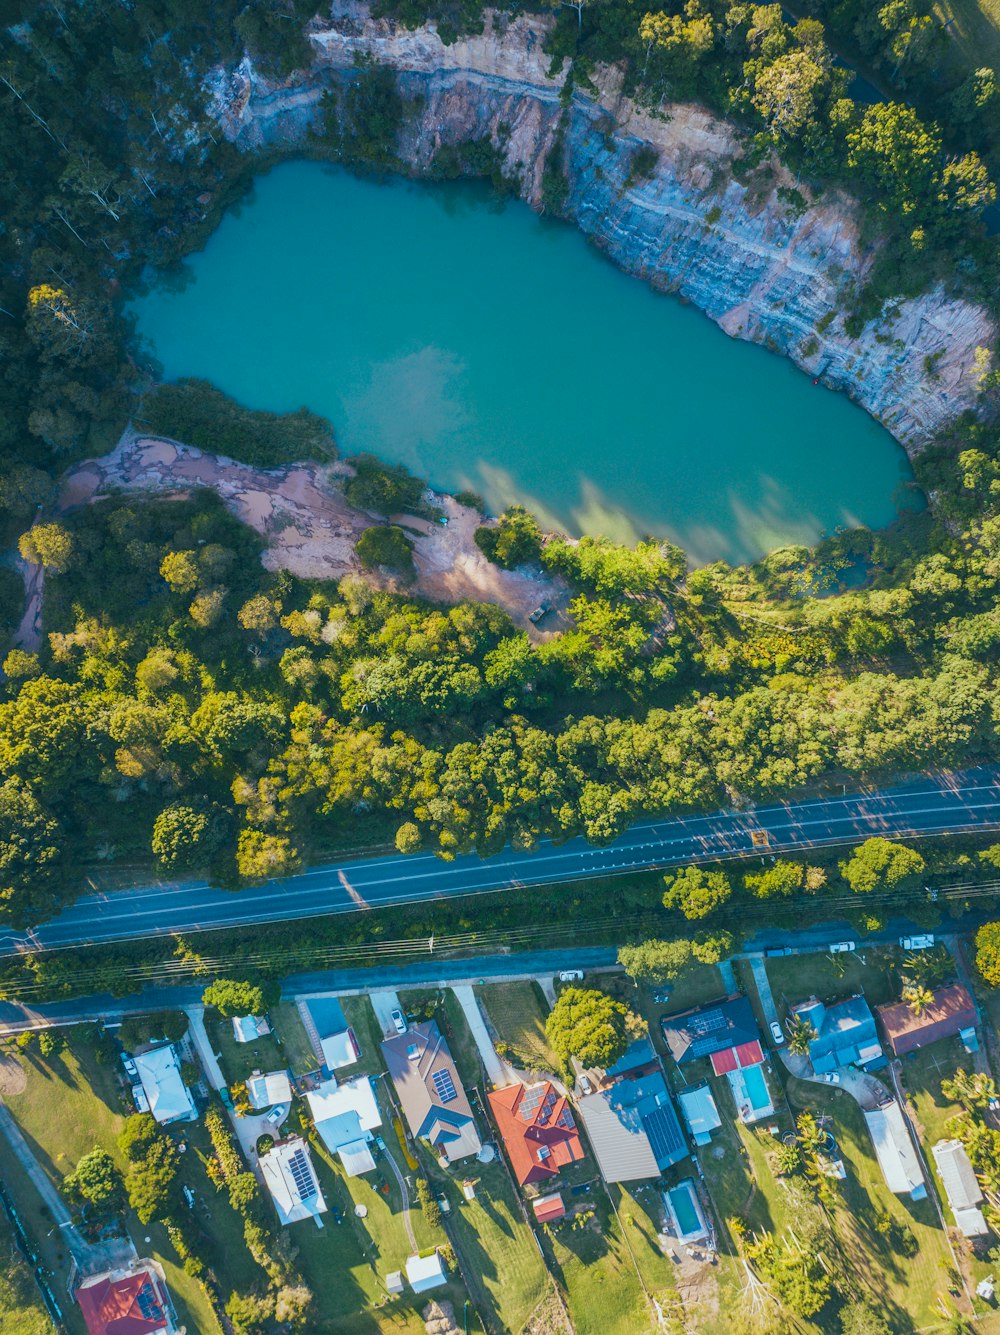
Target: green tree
[409,838]
[180,570]
[262,857]
[590,1026]
[656,961]
[785,93]
[800,1034]
[781,879]
[880,864]
[857,1318]
[231,996]
[49,545]
[386,546]
[514,540]
[151,1180]
[696,892]
[917,997]
[96,1180]
[250,1313]
[137,1135]
[31,855]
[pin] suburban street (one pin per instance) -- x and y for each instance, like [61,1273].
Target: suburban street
[946,802]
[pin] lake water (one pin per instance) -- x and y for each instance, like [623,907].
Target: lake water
[489,349]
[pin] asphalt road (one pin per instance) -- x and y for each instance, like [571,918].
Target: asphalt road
[948,802]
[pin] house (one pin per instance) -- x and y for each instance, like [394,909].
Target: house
[952,1014]
[894,1150]
[345,1116]
[132,1301]
[265,1090]
[549,1208]
[699,1110]
[340,1050]
[725,1031]
[247,1028]
[633,1128]
[537,1127]
[960,1186]
[425,1272]
[431,1095]
[845,1034]
[291,1179]
[160,1075]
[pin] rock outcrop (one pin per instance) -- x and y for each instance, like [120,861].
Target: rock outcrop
[747,252]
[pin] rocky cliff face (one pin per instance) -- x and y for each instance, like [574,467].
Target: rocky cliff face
[762,269]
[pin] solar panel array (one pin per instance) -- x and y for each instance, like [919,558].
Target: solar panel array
[664,1132]
[530,1101]
[444,1085]
[149,1304]
[305,1183]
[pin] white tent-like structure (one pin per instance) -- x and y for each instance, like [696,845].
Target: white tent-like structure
[160,1074]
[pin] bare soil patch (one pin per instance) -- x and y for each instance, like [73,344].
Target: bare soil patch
[12,1077]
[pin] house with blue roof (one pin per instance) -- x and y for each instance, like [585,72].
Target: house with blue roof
[845,1034]
[633,1128]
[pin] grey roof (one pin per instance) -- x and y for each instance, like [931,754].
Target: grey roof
[430,1092]
[894,1151]
[707,1029]
[957,1174]
[633,1129]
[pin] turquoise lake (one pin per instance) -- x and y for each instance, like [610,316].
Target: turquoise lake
[490,349]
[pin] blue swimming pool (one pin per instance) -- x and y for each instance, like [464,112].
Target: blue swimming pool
[683,1204]
[756,1087]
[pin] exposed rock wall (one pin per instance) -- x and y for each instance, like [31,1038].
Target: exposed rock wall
[761,269]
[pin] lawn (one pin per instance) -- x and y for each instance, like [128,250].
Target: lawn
[910,1285]
[830,977]
[22,1311]
[361,1017]
[592,1261]
[289,1030]
[974,29]
[517,1012]
[240,1060]
[71,1103]
[507,1277]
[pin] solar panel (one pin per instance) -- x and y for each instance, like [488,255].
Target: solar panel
[305,1185]
[708,1023]
[664,1133]
[149,1305]
[444,1085]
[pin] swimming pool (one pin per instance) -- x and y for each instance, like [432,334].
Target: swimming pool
[682,1205]
[756,1087]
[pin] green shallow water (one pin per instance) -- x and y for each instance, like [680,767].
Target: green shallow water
[485,347]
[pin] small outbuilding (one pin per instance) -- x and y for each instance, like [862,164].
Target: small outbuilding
[247,1028]
[961,1186]
[549,1208]
[700,1113]
[394,1282]
[894,1150]
[265,1090]
[426,1272]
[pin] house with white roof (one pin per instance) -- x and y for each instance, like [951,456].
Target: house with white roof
[246,1028]
[961,1186]
[160,1074]
[272,1087]
[340,1050]
[345,1116]
[894,1150]
[426,1272]
[289,1176]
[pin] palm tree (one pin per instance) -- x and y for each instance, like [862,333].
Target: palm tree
[917,997]
[787,1159]
[800,1034]
[971,1091]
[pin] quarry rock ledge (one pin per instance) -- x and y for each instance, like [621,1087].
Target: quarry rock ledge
[763,271]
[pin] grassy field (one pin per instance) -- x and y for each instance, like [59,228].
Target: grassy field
[71,1103]
[288,1027]
[900,1284]
[22,1311]
[518,1011]
[974,30]
[240,1060]
[830,977]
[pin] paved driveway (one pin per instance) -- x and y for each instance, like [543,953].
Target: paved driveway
[383,1004]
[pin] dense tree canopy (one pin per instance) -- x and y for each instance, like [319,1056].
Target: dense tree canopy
[590,1026]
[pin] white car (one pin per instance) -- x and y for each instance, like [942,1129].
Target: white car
[832,1077]
[924,942]
[399,1020]
[131,1070]
[776,1033]
[843,947]
[277,1113]
[571,976]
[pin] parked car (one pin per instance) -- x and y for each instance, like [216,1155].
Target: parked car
[444,1204]
[585,1084]
[380,1144]
[139,1099]
[843,947]
[776,1032]
[924,942]
[540,611]
[832,1077]
[399,1021]
[571,976]
[131,1070]
[772,951]
[277,1113]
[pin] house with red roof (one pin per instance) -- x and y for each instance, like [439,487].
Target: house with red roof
[538,1129]
[127,1302]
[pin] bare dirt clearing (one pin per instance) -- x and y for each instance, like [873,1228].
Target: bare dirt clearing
[311,530]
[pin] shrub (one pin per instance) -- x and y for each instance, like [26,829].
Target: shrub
[385,489]
[388,547]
